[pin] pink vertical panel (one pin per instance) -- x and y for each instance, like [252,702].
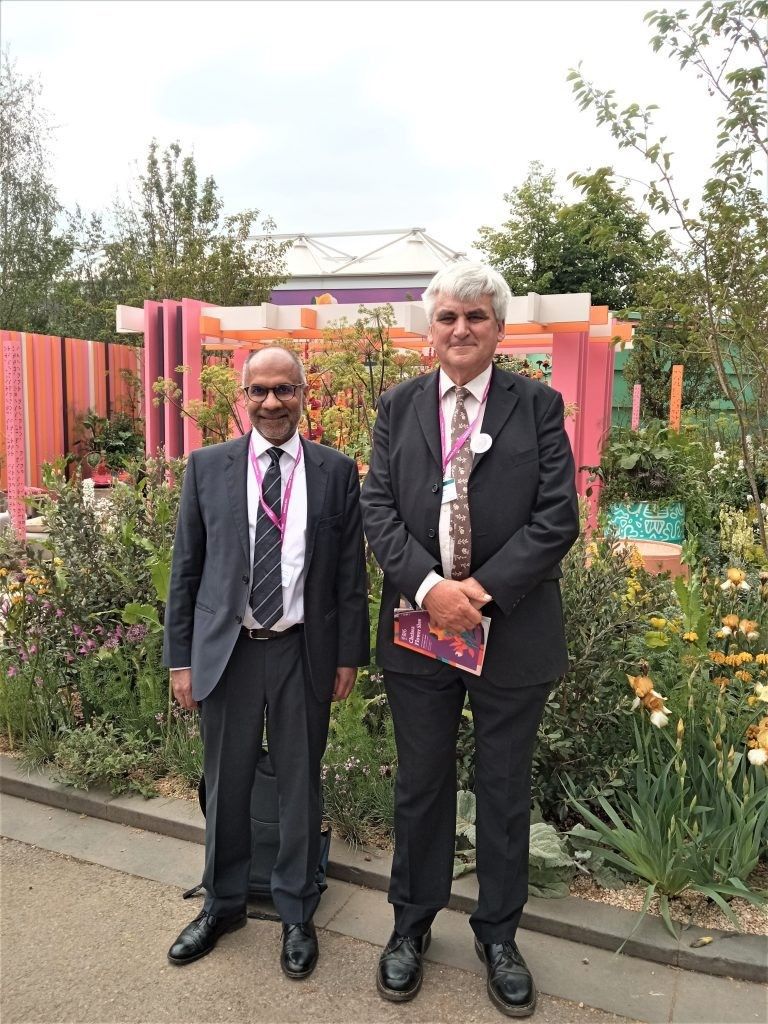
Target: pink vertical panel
[191,357]
[43,404]
[154,367]
[98,376]
[79,399]
[637,392]
[596,420]
[174,433]
[14,430]
[569,370]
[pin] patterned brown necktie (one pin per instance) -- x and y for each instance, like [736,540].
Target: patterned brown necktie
[460,529]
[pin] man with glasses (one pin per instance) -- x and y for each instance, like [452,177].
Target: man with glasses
[267,617]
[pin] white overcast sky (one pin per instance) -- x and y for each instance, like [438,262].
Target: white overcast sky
[353,115]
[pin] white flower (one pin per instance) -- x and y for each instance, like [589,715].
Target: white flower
[741,464]
[743,585]
[758,756]
[726,586]
[635,703]
[726,630]
[659,719]
[761,692]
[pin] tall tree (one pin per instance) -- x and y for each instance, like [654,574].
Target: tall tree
[33,249]
[601,244]
[725,258]
[168,239]
[171,239]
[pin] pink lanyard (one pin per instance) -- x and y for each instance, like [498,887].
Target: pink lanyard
[460,441]
[279,523]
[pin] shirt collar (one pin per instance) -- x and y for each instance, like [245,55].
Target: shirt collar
[260,444]
[476,387]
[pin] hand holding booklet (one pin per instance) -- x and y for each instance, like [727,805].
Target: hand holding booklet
[465,650]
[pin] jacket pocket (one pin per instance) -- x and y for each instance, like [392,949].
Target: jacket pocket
[204,608]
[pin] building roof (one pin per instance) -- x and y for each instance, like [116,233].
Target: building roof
[355,254]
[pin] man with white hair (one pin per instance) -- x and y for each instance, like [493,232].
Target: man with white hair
[469,505]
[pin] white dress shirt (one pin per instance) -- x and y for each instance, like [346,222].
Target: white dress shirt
[295,537]
[475,407]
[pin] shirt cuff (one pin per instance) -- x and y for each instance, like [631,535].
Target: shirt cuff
[181,668]
[431,580]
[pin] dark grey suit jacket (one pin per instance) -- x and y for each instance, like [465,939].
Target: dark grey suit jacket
[524,515]
[211,566]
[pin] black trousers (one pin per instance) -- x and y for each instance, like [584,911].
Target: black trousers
[263,675]
[426,711]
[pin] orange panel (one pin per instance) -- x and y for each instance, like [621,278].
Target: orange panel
[567,326]
[598,315]
[308,317]
[210,326]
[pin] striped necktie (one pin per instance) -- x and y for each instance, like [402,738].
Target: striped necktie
[461,466]
[267,585]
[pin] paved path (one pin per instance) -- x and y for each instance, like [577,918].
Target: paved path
[90,907]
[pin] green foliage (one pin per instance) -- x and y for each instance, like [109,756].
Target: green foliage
[585,735]
[102,754]
[358,770]
[550,865]
[649,464]
[217,414]
[118,440]
[33,249]
[662,832]
[600,244]
[724,253]
[347,380]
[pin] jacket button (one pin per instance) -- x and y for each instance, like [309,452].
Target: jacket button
[431,533]
[435,488]
[244,579]
[239,619]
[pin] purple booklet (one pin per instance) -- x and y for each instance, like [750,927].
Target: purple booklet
[463,650]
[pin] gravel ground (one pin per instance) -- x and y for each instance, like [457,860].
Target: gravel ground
[83,944]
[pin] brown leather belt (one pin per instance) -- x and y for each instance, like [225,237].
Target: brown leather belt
[272,634]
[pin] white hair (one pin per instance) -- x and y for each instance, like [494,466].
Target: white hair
[467,282]
[274,348]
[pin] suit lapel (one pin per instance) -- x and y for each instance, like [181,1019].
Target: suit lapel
[317,482]
[502,399]
[236,474]
[426,404]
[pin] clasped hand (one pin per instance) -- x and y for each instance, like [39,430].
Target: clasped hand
[454,605]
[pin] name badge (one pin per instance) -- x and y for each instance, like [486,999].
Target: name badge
[449,491]
[286,571]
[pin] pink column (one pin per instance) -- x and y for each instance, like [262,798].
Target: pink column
[191,356]
[152,369]
[172,349]
[569,371]
[14,430]
[596,420]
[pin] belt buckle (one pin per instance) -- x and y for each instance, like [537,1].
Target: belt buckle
[254,635]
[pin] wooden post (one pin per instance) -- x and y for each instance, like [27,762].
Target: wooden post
[637,392]
[676,396]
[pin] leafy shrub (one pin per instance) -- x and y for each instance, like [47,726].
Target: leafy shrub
[102,754]
[359,768]
[586,731]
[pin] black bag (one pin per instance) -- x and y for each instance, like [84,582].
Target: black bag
[265,833]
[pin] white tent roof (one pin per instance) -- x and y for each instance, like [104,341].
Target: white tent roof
[366,253]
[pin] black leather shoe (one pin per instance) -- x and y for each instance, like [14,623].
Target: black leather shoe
[201,935]
[299,954]
[400,969]
[510,985]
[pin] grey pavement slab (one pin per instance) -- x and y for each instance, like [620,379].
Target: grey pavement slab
[84,944]
[564,969]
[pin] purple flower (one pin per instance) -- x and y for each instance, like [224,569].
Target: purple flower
[98,631]
[39,681]
[59,613]
[30,599]
[12,671]
[33,649]
[160,718]
[134,634]
[77,630]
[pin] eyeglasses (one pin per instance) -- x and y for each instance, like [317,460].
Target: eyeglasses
[282,392]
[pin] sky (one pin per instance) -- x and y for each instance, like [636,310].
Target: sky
[355,115]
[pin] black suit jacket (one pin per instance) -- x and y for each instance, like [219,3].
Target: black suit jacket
[211,566]
[524,515]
